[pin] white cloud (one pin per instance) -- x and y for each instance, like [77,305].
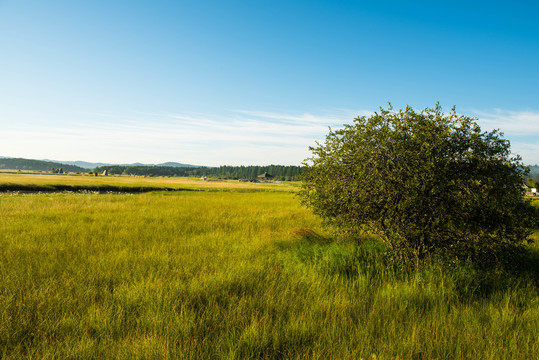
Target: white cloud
[521,128]
[335,118]
[510,122]
[235,138]
[528,151]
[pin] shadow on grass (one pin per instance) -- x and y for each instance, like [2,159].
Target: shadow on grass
[102,189]
[372,259]
[520,270]
[113,189]
[334,258]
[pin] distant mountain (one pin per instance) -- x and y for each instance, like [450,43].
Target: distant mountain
[85,165]
[175,164]
[82,164]
[169,164]
[534,169]
[36,165]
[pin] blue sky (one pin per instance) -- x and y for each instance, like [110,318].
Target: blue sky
[253,82]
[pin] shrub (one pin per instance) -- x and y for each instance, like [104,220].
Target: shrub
[424,183]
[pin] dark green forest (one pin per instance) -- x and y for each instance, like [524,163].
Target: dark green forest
[279,172]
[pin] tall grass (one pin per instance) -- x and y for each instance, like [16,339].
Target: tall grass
[233,275]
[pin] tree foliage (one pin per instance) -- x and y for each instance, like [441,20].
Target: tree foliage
[423,182]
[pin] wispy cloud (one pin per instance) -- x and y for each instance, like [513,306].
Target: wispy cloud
[234,137]
[520,127]
[510,122]
[334,118]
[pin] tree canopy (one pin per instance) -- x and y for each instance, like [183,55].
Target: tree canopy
[422,182]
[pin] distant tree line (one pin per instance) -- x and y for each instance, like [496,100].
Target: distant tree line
[37,165]
[279,172]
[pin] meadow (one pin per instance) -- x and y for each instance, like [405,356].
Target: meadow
[43,182]
[233,271]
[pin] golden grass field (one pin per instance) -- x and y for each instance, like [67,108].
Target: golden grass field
[234,271]
[134,181]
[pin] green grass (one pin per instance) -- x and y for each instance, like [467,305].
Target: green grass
[235,275]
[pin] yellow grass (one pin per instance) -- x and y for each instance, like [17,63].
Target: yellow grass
[231,275]
[121,180]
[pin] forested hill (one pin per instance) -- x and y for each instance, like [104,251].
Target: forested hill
[534,169]
[279,172]
[36,165]
[533,176]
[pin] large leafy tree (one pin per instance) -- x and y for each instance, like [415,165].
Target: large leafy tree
[423,182]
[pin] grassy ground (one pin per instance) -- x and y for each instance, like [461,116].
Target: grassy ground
[37,181]
[234,275]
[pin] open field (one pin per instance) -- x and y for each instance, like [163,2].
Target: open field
[232,273]
[37,181]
